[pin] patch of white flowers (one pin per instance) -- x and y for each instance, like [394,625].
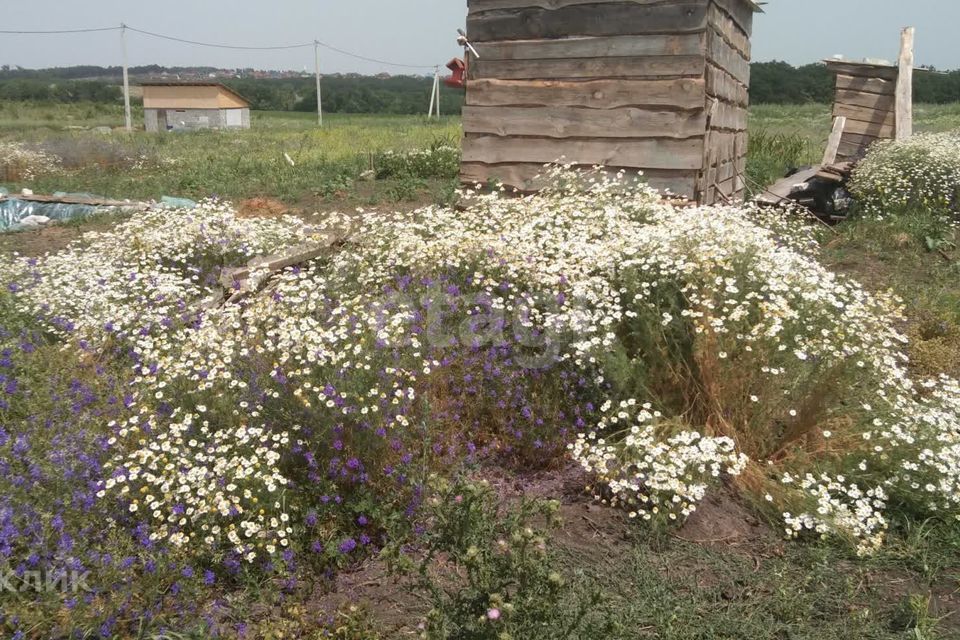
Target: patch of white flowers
[841,507]
[729,302]
[199,484]
[18,162]
[922,171]
[651,476]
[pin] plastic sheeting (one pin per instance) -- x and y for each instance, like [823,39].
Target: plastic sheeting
[13,211]
[178,203]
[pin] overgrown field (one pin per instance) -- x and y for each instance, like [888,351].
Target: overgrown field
[353,160]
[583,414]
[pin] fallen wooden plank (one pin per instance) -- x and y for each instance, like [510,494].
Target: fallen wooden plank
[783,188]
[238,278]
[833,144]
[95,202]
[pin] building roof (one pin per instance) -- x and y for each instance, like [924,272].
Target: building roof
[192,83]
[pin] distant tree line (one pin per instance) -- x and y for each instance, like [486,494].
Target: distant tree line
[772,83]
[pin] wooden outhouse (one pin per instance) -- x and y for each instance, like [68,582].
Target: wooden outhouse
[177,106]
[660,87]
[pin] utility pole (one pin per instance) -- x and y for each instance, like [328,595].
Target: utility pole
[316,56]
[435,94]
[126,78]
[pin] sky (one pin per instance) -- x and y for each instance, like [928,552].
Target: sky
[418,32]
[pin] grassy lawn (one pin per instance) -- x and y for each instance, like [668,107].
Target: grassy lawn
[728,573]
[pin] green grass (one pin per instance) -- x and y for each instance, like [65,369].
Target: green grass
[234,165]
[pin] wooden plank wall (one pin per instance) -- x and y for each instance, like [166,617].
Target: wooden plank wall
[866,97]
[730,25]
[620,83]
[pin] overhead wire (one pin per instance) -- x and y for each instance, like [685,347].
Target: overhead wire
[56,31]
[215,45]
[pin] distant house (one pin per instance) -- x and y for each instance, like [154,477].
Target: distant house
[181,106]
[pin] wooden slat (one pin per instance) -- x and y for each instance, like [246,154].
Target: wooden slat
[727,58]
[866,85]
[729,117]
[523,176]
[689,44]
[864,114]
[871,100]
[720,84]
[850,150]
[876,130]
[741,12]
[648,153]
[566,122]
[684,93]
[858,139]
[729,29]
[594,68]
[862,70]
[618,18]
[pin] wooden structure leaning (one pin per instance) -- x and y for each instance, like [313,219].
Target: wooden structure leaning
[875,99]
[659,86]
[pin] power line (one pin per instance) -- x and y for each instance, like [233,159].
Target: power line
[219,46]
[359,57]
[55,31]
[214,45]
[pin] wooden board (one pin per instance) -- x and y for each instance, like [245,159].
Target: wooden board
[873,129]
[866,85]
[864,114]
[567,122]
[833,143]
[649,153]
[863,70]
[615,18]
[735,36]
[727,58]
[524,176]
[631,46]
[871,100]
[594,68]
[721,84]
[851,151]
[684,93]
[740,12]
[729,117]
[857,138]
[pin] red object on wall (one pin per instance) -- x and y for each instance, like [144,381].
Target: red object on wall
[459,78]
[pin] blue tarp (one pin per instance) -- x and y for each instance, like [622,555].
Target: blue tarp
[13,211]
